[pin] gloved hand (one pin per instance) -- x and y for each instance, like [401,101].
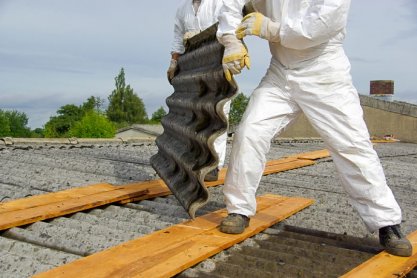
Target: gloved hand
[235,55]
[189,35]
[171,70]
[259,25]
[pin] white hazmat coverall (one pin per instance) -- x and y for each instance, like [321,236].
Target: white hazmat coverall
[191,21]
[309,73]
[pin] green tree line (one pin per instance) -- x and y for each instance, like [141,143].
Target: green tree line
[92,120]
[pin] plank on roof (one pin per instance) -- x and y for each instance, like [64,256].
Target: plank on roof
[36,208]
[169,251]
[71,205]
[386,265]
[44,199]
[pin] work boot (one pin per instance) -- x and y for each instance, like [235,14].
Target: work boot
[212,175]
[394,241]
[234,224]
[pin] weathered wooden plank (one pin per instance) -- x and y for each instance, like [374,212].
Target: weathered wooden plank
[314,155]
[44,199]
[171,250]
[29,210]
[54,209]
[385,265]
[287,166]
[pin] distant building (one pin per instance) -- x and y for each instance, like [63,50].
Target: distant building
[140,131]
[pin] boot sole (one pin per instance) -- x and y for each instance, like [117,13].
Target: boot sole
[231,230]
[210,178]
[400,252]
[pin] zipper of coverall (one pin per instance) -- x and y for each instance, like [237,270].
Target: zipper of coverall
[196,14]
[284,14]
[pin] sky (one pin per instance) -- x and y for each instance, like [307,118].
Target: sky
[58,52]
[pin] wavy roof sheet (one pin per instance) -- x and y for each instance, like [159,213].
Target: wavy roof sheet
[195,119]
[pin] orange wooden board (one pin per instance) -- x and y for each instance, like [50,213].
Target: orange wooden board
[167,252]
[44,199]
[314,155]
[31,209]
[54,209]
[385,265]
[287,166]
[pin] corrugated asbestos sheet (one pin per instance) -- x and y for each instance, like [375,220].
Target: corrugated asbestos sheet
[29,169]
[195,119]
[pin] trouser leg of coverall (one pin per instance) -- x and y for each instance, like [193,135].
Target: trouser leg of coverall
[220,143]
[334,110]
[269,110]
[339,120]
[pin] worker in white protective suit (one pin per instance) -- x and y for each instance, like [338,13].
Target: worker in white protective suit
[309,73]
[192,17]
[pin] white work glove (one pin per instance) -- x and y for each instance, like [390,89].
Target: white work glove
[258,25]
[235,55]
[171,70]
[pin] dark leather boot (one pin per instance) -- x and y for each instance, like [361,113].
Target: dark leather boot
[213,175]
[394,241]
[234,224]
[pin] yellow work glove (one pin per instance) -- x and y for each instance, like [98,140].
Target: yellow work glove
[257,24]
[235,56]
[172,69]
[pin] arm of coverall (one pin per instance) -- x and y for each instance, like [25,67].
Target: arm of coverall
[179,31]
[302,28]
[230,16]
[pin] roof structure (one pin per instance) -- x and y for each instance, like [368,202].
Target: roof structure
[325,240]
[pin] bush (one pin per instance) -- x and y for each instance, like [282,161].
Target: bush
[93,125]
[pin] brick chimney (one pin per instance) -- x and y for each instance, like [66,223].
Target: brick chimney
[382,89]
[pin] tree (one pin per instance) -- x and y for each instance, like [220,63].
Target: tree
[14,124]
[68,115]
[158,115]
[38,133]
[124,105]
[58,126]
[93,103]
[4,124]
[237,109]
[93,125]
[18,124]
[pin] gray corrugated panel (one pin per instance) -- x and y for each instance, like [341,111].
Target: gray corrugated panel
[127,227]
[96,228]
[78,169]
[286,254]
[39,254]
[156,221]
[62,238]
[10,192]
[195,119]
[19,266]
[81,161]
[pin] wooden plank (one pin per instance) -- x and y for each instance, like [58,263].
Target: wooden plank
[288,166]
[271,167]
[386,265]
[280,161]
[49,204]
[44,199]
[314,155]
[156,188]
[169,251]
[54,209]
